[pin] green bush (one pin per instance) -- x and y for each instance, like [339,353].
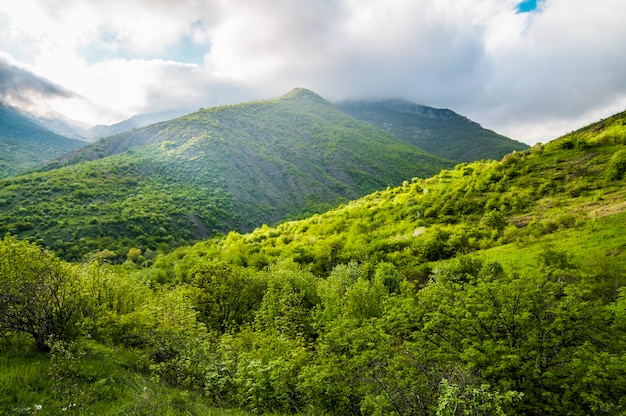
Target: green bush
[39,294]
[617,166]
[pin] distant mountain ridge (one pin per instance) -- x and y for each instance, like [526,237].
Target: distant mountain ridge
[441,132]
[135,122]
[25,144]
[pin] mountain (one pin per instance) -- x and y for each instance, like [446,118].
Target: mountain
[553,187]
[495,279]
[63,126]
[495,287]
[67,127]
[440,132]
[25,144]
[219,169]
[134,122]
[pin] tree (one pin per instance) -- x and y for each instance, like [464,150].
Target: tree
[227,296]
[518,333]
[38,293]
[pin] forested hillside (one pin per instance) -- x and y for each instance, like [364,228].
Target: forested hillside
[25,144]
[490,288]
[440,132]
[220,169]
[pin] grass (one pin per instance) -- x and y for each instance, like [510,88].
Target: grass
[594,243]
[22,381]
[90,379]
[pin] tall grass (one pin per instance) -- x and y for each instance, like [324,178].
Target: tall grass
[89,379]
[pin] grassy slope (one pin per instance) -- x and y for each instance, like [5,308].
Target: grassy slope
[102,380]
[440,132]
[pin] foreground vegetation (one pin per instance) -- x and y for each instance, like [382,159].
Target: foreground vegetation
[544,336]
[494,288]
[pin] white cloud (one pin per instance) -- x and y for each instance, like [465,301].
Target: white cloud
[532,75]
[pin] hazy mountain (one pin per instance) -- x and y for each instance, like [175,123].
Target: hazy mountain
[63,126]
[25,144]
[438,131]
[134,122]
[219,169]
[67,127]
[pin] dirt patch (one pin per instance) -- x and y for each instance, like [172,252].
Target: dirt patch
[199,230]
[602,209]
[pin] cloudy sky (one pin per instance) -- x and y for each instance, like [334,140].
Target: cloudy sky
[531,70]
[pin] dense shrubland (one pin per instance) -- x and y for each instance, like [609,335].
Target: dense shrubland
[477,337]
[475,206]
[493,288]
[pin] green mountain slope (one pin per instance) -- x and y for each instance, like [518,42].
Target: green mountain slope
[220,169]
[491,288]
[496,287]
[25,144]
[438,131]
[475,206]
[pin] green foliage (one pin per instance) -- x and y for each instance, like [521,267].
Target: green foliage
[617,166]
[520,332]
[39,295]
[472,400]
[227,296]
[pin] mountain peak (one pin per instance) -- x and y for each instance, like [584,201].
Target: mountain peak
[302,93]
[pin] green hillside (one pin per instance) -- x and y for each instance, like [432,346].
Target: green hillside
[440,132]
[491,288]
[572,180]
[220,169]
[497,282]
[24,144]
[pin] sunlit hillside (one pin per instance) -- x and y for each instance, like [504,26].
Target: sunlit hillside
[490,288]
[220,169]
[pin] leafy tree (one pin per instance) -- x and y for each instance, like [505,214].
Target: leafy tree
[494,219]
[517,333]
[290,297]
[226,296]
[39,294]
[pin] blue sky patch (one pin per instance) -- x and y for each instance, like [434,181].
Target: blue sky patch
[186,51]
[527,6]
[111,46]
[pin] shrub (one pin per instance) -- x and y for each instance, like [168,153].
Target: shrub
[617,166]
[39,294]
